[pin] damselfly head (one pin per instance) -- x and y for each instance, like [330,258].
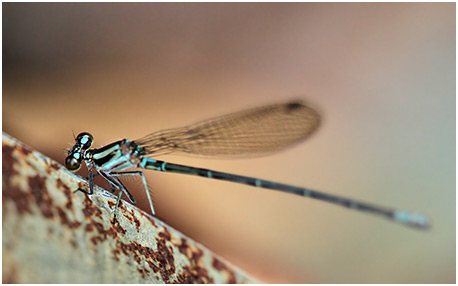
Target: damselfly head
[84,140]
[75,156]
[73,164]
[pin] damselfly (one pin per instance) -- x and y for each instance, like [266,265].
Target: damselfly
[253,132]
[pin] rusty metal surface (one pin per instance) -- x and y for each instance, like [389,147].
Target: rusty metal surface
[51,235]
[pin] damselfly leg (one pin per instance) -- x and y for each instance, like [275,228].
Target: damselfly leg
[145,185]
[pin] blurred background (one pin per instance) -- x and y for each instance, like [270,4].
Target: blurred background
[381,75]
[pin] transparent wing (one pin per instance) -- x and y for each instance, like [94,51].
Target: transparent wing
[248,133]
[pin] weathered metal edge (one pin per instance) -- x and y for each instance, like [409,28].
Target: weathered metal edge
[51,235]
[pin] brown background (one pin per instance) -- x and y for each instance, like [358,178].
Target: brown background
[382,75]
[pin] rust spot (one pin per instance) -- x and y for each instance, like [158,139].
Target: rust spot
[130,215]
[67,192]
[166,260]
[183,247]
[153,266]
[89,227]
[137,259]
[122,206]
[64,219]
[90,210]
[39,192]
[193,255]
[69,205]
[24,150]
[111,204]
[166,235]
[112,232]
[117,228]
[143,272]
[103,233]
[194,275]
[11,192]
[165,265]
[8,162]
[115,254]
[127,215]
[137,223]
[96,239]
[220,266]
[61,185]
[99,227]
[20,199]
[55,166]
[196,255]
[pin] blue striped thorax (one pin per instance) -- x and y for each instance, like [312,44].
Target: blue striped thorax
[117,156]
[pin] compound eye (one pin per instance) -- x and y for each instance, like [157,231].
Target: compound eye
[85,140]
[72,164]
